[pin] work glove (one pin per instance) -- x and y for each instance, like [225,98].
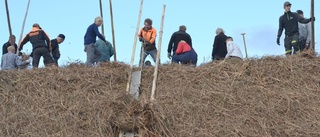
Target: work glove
[140,39]
[278,41]
[169,55]
[314,18]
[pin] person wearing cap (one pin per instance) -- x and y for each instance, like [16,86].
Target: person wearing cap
[12,38]
[41,46]
[55,47]
[11,60]
[219,49]
[185,54]
[176,37]
[289,21]
[93,54]
[304,33]
[233,51]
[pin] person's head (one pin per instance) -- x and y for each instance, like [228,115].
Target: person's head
[98,21]
[60,38]
[287,6]
[183,28]
[36,25]
[300,12]
[11,49]
[12,38]
[147,63]
[229,38]
[148,23]
[219,30]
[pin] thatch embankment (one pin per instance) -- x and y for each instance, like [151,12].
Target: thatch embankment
[268,97]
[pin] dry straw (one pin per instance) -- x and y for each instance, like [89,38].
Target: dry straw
[272,96]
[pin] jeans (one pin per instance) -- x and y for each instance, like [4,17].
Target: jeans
[145,53]
[93,54]
[186,58]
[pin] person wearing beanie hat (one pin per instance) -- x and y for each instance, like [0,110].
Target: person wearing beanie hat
[304,33]
[289,22]
[55,47]
[41,46]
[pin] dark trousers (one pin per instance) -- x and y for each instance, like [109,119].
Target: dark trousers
[302,44]
[186,58]
[41,52]
[292,42]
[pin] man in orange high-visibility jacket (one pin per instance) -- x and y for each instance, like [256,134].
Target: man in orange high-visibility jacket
[148,36]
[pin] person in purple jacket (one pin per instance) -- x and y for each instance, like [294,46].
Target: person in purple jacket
[93,54]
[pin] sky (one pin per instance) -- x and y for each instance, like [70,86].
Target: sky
[258,19]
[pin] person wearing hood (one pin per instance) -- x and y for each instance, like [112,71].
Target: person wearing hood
[289,22]
[41,46]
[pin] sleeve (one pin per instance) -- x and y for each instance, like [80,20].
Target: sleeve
[153,36]
[308,33]
[301,19]
[23,41]
[18,61]
[4,48]
[190,41]
[280,27]
[230,49]
[215,45]
[170,43]
[140,34]
[96,31]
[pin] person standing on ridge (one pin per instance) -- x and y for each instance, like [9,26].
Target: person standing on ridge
[289,22]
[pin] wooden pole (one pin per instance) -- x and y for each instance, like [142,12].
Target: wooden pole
[245,46]
[9,24]
[134,47]
[101,14]
[113,36]
[155,74]
[23,24]
[312,27]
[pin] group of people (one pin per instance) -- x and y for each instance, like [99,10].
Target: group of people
[180,48]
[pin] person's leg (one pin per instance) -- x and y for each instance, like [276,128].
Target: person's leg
[47,57]
[302,44]
[89,49]
[295,43]
[153,54]
[36,58]
[97,54]
[287,45]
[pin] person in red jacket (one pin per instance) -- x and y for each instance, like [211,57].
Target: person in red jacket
[185,54]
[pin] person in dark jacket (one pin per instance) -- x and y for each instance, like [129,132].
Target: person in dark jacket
[289,22]
[7,44]
[41,46]
[176,37]
[55,47]
[219,50]
[93,54]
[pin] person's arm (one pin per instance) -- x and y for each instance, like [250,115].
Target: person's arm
[301,19]
[280,30]
[189,41]
[4,48]
[111,50]
[47,39]
[153,36]
[18,61]
[215,45]
[24,41]
[171,43]
[96,31]
[230,49]
[2,62]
